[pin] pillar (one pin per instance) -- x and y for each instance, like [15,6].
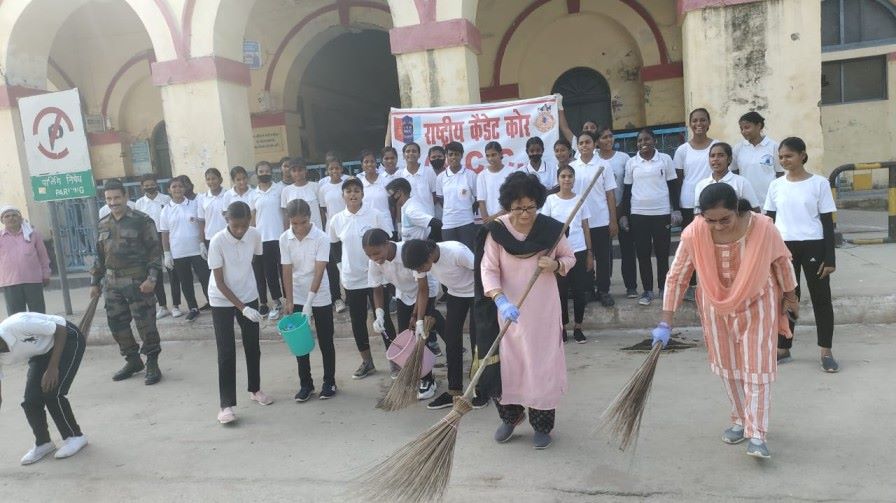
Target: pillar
[436,52]
[205,103]
[760,55]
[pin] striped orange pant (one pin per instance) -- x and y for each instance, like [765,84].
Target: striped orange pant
[749,406]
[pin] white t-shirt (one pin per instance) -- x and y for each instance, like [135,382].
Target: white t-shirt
[545,173]
[307,193]
[423,186]
[488,188]
[458,192]
[394,272]
[414,220]
[617,162]
[303,255]
[181,223]
[268,213]
[454,269]
[105,211]
[799,206]
[211,211]
[598,209]
[758,164]
[349,228]
[27,335]
[247,197]
[235,257]
[650,191]
[695,165]
[329,196]
[559,209]
[742,188]
[152,207]
[377,199]
[385,176]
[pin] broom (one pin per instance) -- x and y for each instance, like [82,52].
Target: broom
[623,416]
[420,470]
[403,392]
[87,319]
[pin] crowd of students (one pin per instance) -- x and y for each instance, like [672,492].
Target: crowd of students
[356,242]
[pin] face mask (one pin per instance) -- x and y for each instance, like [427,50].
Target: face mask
[535,158]
[151,190]
[265,178]
[437,164]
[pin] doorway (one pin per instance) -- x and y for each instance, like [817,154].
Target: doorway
[586,97]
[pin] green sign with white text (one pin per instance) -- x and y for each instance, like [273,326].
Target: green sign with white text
[63,186]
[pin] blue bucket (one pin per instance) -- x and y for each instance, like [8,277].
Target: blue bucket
[296,332]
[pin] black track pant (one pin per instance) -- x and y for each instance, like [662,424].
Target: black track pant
[185,266]
[651,233]
[38,402]
[267,272]
[628,258]
[808,256]
[222,319]
[358,302]
[323,325]
[579,278]
[333,270]
[687,216]
[602,247]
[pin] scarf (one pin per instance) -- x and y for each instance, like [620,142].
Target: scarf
[764,245]
[27,230]
[544,234]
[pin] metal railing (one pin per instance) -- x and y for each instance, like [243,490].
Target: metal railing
[891,198]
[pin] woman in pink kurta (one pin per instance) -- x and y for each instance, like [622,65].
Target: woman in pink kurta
[533,365]
[746,288]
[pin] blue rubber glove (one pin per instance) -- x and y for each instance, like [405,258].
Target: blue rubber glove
[661,333]
[506,309]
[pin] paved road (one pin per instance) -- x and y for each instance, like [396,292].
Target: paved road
[830,435]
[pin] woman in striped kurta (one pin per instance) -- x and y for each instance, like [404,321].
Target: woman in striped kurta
[746,288]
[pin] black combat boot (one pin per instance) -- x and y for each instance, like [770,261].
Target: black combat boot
[133,364]
[153,374]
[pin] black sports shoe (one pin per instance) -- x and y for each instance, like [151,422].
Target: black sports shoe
[206,307]
[579,336]
[305,393]
[606,299]
[631,293]
[192,315]
[327,391]
[480,402]
[565,335]
[442,401]
[263,309]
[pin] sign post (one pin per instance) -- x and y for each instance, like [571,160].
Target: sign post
[58,160]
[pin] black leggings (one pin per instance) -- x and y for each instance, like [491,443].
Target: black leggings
[267,272]
[222,319]
[602,248]
[358,302]
[173,280]
[652,234]
[580,280]
[628,258]
[333,270]
[808,256]
[541,420]
[323,325]
[457,309]
[185,266]
[687,216]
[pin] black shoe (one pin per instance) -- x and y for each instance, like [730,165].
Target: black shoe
[784,356]
[565,336]
[631,293]
[327,391]
[606,299]
[133,364]
[153,373]
[480,402]
[593,296]
[263,309]
[579,336]
[442,401]
[206,307]
[192,315]
[304,393]
[829,364]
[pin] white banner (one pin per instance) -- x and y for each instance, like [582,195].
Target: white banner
[510,123]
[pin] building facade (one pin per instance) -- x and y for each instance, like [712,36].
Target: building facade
[178,86]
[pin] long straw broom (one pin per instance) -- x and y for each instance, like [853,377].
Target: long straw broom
[403,392]
[420,470]
[623,416]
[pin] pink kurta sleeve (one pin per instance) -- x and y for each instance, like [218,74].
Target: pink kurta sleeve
[42,255]
[679,276]
[564,254]
[785,277]
[491,266]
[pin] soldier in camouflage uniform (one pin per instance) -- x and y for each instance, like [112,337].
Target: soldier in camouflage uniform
[129,257]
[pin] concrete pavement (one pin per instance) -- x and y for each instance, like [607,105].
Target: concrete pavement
[829,434]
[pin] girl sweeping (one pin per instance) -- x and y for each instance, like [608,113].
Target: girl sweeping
[559,206]
[802,207]
[532,362]
[330,199]
[416,296]
[234,295]
[304,252]
[746,288]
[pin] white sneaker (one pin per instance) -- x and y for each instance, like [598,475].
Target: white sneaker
[426,390]
[275,311]
[71,446]
[226,415]
[176,312]
[339,305]
[161,313]
[37,453]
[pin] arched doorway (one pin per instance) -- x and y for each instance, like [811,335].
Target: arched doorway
[345,94]
[586,97]
[161,157]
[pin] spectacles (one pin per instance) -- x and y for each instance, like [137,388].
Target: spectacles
[527,209]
